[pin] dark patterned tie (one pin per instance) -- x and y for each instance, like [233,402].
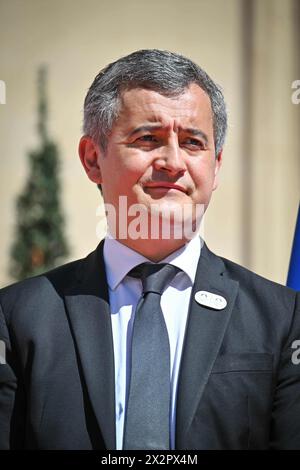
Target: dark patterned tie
[148,407]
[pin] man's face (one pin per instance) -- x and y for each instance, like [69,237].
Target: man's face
[160,151]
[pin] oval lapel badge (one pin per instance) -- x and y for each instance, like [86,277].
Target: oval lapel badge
[210,300]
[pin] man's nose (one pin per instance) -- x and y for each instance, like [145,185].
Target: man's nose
[170,159]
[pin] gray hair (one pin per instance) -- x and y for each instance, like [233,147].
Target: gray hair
[165,72]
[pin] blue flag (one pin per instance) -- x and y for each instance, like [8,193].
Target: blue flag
[293,280]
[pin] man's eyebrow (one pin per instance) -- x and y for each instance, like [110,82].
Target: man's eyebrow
[156,127]
[146,128]
[196,132]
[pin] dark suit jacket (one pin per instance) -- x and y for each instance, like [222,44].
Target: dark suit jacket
[238,387]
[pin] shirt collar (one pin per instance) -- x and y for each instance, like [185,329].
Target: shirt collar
[119,259]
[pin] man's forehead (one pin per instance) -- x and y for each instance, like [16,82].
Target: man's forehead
[192,102]
[193,92]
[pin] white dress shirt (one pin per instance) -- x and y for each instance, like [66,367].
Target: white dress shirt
[124,293]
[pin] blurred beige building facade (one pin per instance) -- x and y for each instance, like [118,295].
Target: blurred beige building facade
[250,47]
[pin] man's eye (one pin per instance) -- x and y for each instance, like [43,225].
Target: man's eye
[147,138]
[194,142]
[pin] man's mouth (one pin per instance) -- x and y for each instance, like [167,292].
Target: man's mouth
[163,185]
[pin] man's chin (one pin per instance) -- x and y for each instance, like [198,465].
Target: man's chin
[174,221]
[163,219]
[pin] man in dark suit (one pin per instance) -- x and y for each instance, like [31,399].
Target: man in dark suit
[86,365]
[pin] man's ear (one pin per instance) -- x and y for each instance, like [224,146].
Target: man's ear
[219,160]
[89,153]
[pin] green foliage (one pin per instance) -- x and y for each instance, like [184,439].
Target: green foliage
[39,240]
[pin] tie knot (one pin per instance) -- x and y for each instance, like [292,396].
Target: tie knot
[154,277]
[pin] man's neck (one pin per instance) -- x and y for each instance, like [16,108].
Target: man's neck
[154,250]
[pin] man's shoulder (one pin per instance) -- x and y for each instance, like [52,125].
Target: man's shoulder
[249,281]
[40,287]
[253,282]
[59,272]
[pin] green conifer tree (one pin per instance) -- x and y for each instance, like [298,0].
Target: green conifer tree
[39,239]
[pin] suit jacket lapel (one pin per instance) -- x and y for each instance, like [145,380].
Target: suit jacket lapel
[89,314]
[203,338]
